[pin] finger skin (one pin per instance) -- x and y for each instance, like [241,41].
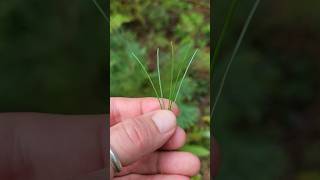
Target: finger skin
[36,146]
[177,140]
[175,162]
[138,137]
[152,177]
[126,108]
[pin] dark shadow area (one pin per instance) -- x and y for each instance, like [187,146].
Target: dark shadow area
[53,57]
[53,61]
[267,121]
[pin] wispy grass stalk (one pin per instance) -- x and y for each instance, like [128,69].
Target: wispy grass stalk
[233,55]
[172,95]
[171,79]
[225,27]
[148,76]
[180,69]
[101,10]
[184,75]
[159,77]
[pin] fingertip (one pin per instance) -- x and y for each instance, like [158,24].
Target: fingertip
[165,120]
[194,164]
[177,140]
[197,165]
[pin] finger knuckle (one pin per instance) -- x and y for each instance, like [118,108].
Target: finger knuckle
[136,135]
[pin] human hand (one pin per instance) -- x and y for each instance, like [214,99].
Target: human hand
[145,139]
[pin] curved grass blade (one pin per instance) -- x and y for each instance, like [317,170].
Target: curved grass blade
[149,78]
[184,75]
[243,32]
[159,76]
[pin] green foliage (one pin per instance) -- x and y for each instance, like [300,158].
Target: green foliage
[117,20]
[123,66]
[197,150]
[197,177]
[189,115]
[148,25]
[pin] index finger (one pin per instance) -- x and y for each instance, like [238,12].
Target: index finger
[126,108]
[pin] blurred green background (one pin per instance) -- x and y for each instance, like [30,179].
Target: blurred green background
[53,57]
[267,122]
[143,26]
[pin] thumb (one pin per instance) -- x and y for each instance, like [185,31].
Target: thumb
[137,137]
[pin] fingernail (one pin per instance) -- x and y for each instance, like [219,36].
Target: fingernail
[165,120]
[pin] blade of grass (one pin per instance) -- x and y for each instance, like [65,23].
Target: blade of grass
[171,79]
[180,69]
[225,27]
[142,66]
[243,32]
[116,32]
[149,78]
[101,10]
[159,76]
[123,40]
[184,75]
[218,45]
[147,74]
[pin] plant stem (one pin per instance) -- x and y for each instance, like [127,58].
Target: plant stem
[150,80]
[185,73]
[243,32]
[223,32]
[171,79]
[180,70]
[159,77]
[100,9]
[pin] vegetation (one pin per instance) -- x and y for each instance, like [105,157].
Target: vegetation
[265,119]
[53,59]
[138,68]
